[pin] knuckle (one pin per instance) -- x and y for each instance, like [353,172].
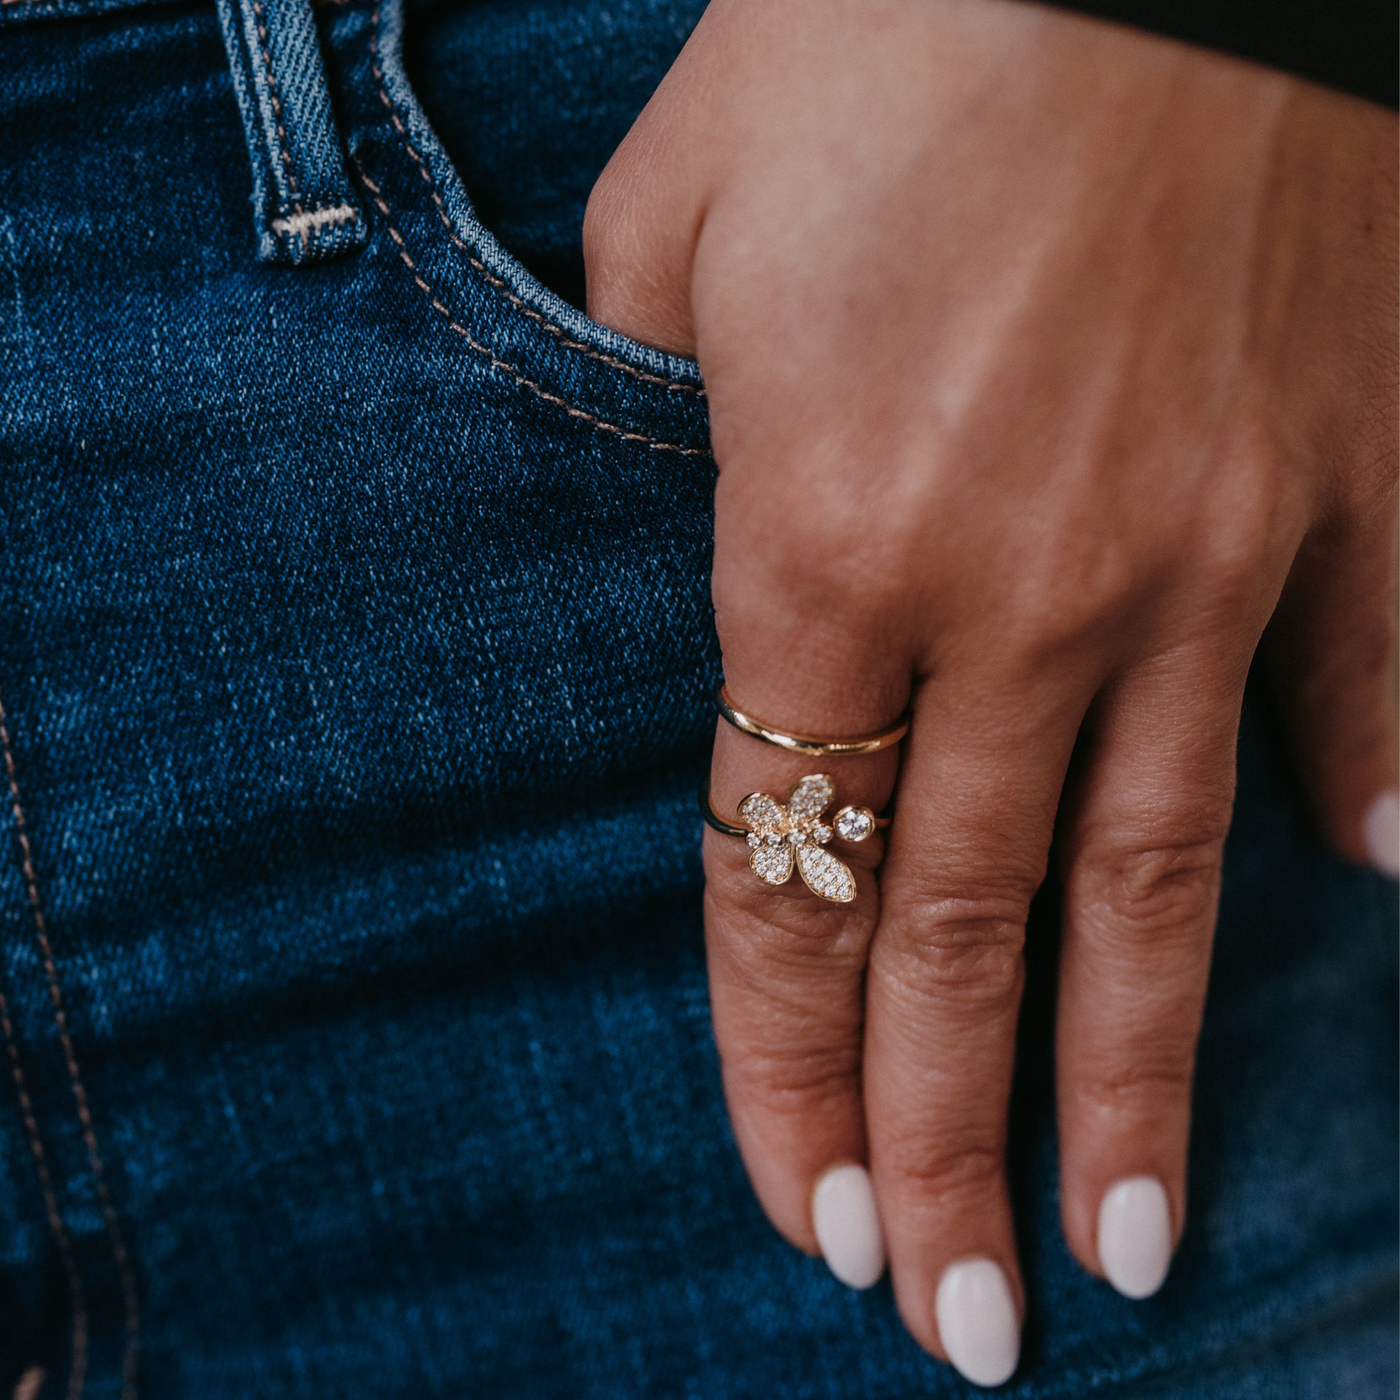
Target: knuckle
[943,1170]
[1155,888]
[1233,568]
[1239,541]
[788,1080]
[766,929]
[807,563]
[1086,595]
[1131,1087]
[964,950]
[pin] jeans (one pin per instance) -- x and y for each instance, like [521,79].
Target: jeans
[355,646]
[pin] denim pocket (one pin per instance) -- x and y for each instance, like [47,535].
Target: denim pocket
[325,581]
[480,293]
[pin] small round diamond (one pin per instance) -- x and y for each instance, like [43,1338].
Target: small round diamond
[821,834]
[754,839]
[797,838]
[854,823]
[774,839]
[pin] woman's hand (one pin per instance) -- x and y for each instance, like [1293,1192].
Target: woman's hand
[1044,359]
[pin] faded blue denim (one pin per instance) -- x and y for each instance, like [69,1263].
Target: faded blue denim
[355,643]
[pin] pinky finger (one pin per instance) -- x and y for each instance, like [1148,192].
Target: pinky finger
[1331,654]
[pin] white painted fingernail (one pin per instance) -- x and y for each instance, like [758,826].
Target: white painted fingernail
[977,1321]
[1383,833]
[848,1227]
[1135,1235]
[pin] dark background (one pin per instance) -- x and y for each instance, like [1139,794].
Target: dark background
[475,66]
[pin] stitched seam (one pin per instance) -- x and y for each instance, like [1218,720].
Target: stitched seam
[495,282]
[130,1305]
[282,149]
[302,224]
[505,366]
[77,1371]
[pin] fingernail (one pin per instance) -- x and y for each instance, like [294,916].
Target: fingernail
[1383,833]
[1135,1235]
[848,1227]
[977,1321]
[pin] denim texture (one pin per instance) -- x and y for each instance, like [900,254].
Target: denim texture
[355,642]
[304,207]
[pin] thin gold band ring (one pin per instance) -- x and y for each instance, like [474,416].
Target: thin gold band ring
[806,743]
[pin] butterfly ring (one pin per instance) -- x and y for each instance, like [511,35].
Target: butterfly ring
[781,835]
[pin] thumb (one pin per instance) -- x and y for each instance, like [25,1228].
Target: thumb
[1331,653]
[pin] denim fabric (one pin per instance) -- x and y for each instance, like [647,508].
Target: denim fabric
[304,208]
[355,641]
[552,88]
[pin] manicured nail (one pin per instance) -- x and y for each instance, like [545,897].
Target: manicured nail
[1383,833]
[977,1321]
[1135,1235]
[847,1226]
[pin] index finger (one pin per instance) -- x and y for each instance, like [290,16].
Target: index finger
[787,970]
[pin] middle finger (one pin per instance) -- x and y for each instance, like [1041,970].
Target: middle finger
[983,767]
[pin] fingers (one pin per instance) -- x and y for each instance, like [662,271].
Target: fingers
[787,968]
[787,971]
[981,779]
[1331,651]
[1146,823]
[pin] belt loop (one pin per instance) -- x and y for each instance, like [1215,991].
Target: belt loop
[304,208]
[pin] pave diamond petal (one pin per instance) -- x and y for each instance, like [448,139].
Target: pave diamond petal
[761,812]
[811,797]
[854,823]
[825,874]
[773,864]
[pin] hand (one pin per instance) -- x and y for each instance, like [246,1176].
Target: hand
[1044,358]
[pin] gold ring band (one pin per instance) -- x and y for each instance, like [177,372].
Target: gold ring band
[806,743]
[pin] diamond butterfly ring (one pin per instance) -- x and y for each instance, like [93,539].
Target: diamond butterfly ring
[794,834]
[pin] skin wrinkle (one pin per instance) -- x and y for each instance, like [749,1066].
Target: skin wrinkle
[1152,894]
[803,941]
[969,1169]
[948,978]
[791,1084]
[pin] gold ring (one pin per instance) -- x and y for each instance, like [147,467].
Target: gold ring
[806,743]
[785,835]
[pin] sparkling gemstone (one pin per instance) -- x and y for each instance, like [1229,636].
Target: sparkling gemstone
[854,823]
[797,838]
[821,833]
[825,874]
[772,864]
[811,797]
[762,812]
[775,838]
[754,839]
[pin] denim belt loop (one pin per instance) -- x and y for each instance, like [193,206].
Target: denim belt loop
[304,208]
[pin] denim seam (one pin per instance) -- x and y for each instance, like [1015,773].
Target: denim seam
[496,283]
[130,1303]
[525,383]
[305,222]
[77,1365]
[282,150]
